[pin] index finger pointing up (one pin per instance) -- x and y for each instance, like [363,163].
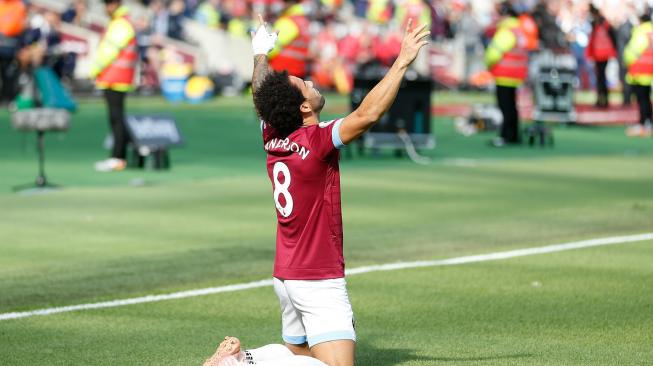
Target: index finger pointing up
[261,21]
[409,25]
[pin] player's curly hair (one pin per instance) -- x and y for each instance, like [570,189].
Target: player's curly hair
[277,101]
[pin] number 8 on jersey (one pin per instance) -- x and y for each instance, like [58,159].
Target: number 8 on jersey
[281,189]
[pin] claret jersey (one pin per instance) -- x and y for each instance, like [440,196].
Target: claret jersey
[305,176]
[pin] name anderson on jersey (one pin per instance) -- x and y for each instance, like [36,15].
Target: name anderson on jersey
[287,145]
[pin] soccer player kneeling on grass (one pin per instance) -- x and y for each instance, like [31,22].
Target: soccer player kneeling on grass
[302,163]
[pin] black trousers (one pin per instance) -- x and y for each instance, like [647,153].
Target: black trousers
[116,105]
[507,101]
[601,84]
[626,89]
[643,93]
[8,79]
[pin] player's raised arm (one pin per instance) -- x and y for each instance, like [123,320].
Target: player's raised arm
[262,43]
[381,97]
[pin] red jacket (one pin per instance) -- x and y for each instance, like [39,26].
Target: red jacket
[601,47]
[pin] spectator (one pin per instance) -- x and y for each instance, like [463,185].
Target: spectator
[601,49]
[208,13]
[470,30]
[176,19]
[623,32]
[159,18]
[190,7]
[238,17]
[386,48]
[551,36]
[76,14]
[578,29]
[418,10]
[440,26]
[379,11]
[45,38]
[13,15]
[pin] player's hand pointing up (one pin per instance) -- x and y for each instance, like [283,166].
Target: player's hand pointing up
[414,40]
[262,40]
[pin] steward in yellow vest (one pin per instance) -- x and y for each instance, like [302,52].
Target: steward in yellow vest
[507,59]
[638,57]
[116,58]
[291,52]
[114,69]
[507,56]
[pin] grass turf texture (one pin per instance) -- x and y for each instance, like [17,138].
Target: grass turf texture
[210,221]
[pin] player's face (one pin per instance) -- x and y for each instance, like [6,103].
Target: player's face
[312,95]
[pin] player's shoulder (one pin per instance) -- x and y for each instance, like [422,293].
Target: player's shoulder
[326,124]
[326,134]
[320,130]
[327,127]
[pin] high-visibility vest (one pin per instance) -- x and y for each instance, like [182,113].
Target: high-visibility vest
[642,68]
[528,25]
[600,47]
[208,15]
[294,56]
[12,18]
[12,23]
[119,73]
[514,63]
[332,4]
[418,10]
[379,11]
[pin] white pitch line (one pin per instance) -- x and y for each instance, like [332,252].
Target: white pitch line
[355,271]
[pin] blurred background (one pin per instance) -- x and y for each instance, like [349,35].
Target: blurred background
[522,124]
[210,38]
[193,51]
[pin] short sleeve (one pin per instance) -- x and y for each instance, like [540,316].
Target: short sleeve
[325,138]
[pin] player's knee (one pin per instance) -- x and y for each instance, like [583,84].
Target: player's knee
[335,356]
[299,349]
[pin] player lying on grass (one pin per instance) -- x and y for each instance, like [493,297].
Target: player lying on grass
[230,354]
[302,162]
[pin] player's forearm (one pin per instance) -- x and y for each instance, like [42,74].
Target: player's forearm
[261,70]
[383,95]
[374,105]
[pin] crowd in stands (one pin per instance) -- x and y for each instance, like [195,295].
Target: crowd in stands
[347,35]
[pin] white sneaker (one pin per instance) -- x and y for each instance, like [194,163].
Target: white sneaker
[110,165]
[639,130]
[648,131]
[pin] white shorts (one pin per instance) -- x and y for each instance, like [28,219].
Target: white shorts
[315,311]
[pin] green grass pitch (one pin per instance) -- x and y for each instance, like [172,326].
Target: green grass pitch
[210,222]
